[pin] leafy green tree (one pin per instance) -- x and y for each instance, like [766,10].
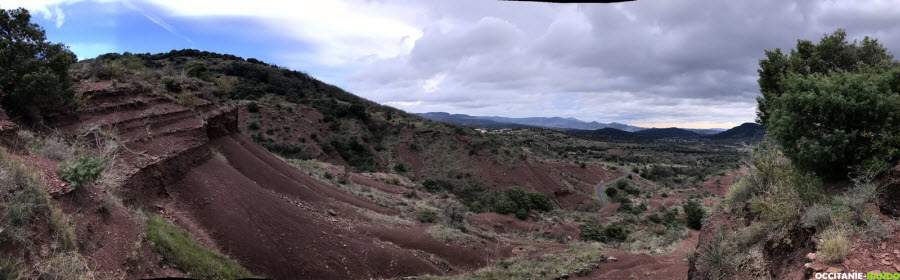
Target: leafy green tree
[830,123]
[834,105]
[34,73]
[832,53]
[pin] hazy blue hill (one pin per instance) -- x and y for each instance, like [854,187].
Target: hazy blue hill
[746,131]
[504,122]
[671,132]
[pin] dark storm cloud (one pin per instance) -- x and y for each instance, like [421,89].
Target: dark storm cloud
[640,62]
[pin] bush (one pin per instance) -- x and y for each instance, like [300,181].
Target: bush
[182,252]
[198,70]
[400,168]
[832,106]
[35,76]
[427,216]
[357,155]
[83,170]
[835,246]
[611,192]
[171,85]
[694,213]
[816,216]
[515,200]
[22,199]
[654,218]
[593,231]
[252,107]
[719,257]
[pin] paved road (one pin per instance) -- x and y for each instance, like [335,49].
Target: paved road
[602,186]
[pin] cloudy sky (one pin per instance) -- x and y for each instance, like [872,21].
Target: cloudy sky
[689,63]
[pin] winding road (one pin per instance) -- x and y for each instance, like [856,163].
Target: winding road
[601,187]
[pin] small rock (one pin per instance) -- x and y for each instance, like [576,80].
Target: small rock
[613,259]
[886,262]
[815,267]
[834,269]
[883,245]
[331,212]
[811,256]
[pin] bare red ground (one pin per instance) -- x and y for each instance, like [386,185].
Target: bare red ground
[642,266]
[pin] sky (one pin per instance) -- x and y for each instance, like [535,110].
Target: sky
[654,63]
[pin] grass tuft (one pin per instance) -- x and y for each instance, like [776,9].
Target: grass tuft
[835,246]
[182,252]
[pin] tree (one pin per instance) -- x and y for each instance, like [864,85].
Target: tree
[34,73]
[832,106]
[833,53]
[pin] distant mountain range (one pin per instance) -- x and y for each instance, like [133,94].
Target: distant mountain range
[551,122]
[744,132]
[503,122]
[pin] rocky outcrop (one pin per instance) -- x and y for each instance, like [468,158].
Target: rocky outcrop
[161,139]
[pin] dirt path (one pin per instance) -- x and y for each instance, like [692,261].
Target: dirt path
[602,187]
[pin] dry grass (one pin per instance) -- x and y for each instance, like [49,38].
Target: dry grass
[835,246]
[450,234]
[577,259]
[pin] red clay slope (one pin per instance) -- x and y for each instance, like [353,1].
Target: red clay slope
[275,220]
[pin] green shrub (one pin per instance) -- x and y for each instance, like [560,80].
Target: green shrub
[693,214]
[171,85]
[83,170]
[400,168]
[252,107]
[514,200]
[654,218]
[611,192]
[182,252]
[427,216]
[253,125]
[357,155]
[198,70]
[593,231]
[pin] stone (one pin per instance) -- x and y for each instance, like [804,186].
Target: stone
[613,259]
[331,212]
[811,256]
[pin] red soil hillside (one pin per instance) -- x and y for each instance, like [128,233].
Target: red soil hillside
[273,219]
